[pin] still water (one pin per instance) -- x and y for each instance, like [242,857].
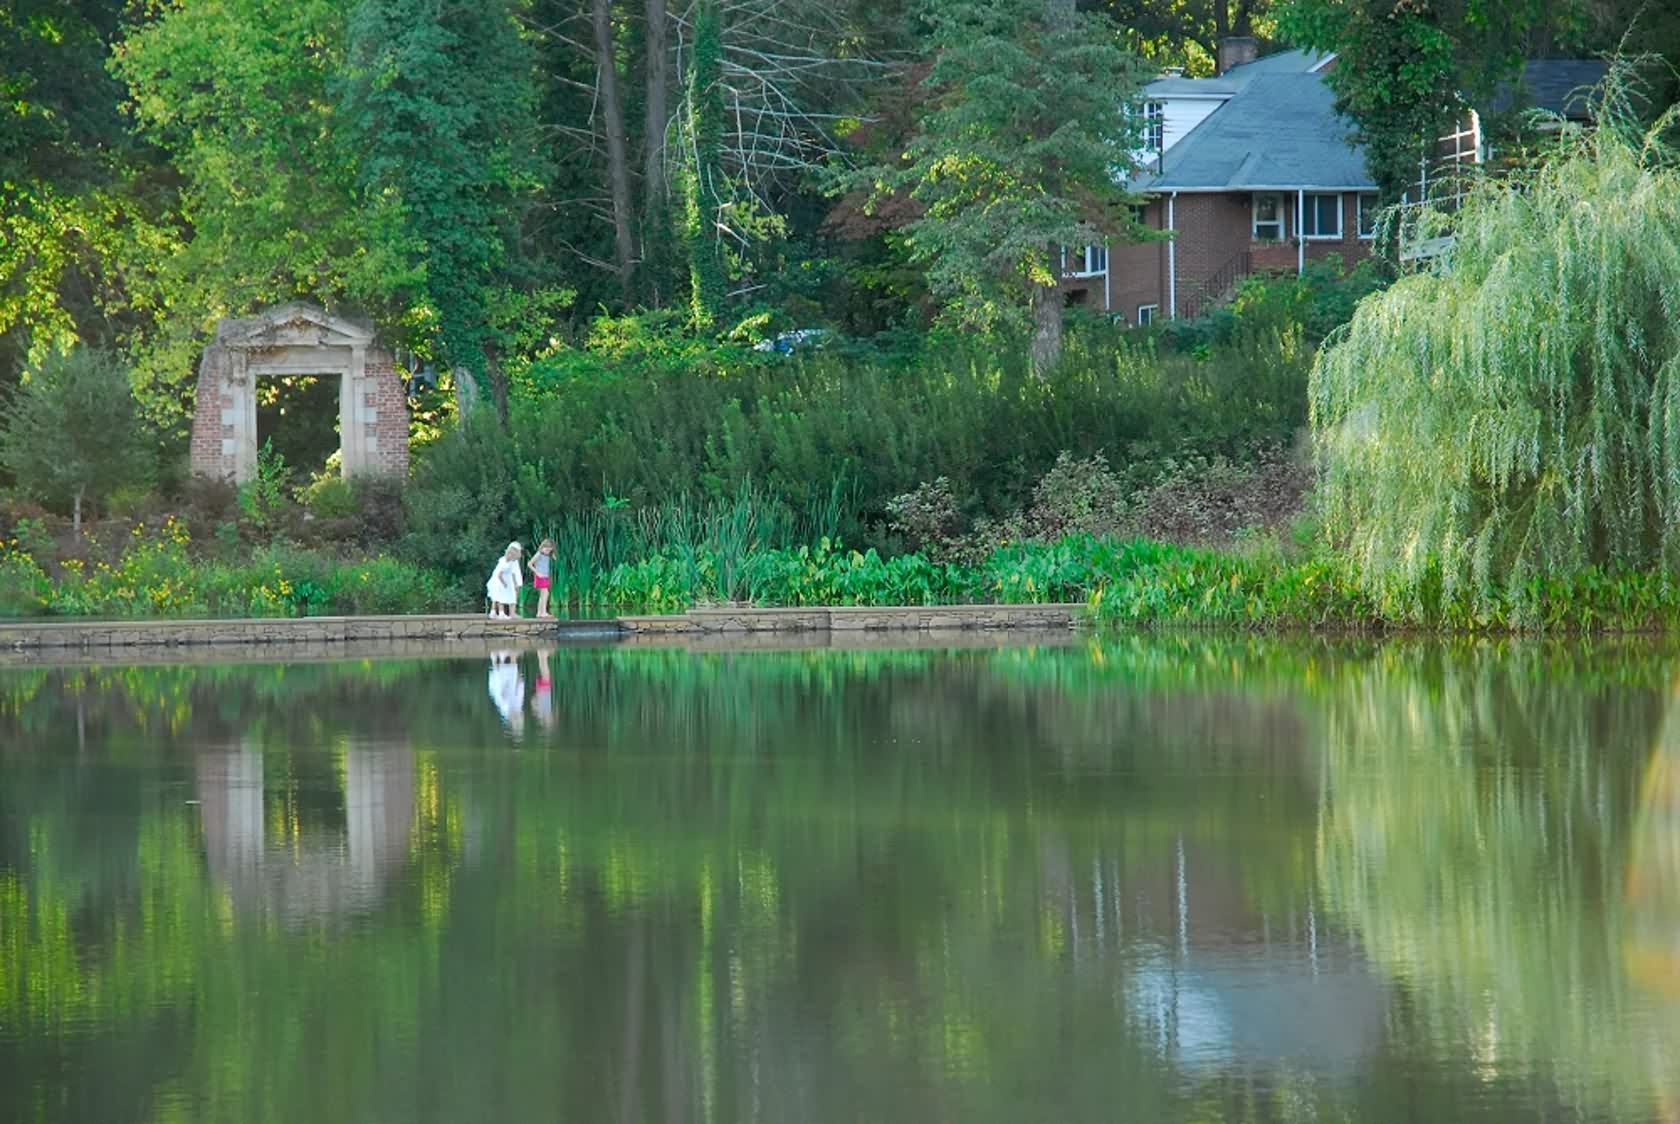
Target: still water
[1122,879]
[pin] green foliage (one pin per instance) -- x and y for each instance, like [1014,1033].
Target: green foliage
[1513,416]
[240,95]
[451,80]
[1404,69]
[156,575]
[265,498]
[24,586]
[71,435]
[1017,152]
[77,188]
[973,413]
[329,496]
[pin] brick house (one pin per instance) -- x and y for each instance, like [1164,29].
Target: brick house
[1254,171]
[1249,171]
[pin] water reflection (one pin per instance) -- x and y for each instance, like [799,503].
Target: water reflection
[1155,879]
[274,858]
[507,691]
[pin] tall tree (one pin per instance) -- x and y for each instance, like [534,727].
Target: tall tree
[702,174]
[79,194]
[1023,146]
[618,149]
[656,81]
[440,99]
[268,178]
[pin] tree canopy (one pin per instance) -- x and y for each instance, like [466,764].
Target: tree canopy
[1022,148]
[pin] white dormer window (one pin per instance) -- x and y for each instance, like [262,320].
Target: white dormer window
[1268,217]
[1154,126]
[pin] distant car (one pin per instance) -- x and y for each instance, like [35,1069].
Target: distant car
[800,339]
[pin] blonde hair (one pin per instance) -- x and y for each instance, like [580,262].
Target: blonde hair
[513,548]
[547,544]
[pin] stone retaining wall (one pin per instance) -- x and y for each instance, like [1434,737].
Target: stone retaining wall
[85,635]
[850,618]
[29,636]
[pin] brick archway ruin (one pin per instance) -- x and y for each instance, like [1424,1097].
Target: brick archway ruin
[298,339]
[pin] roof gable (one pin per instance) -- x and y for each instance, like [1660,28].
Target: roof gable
[295,324]
[1281,132]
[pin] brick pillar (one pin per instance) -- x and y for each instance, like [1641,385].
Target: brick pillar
[381,409]
[217,409]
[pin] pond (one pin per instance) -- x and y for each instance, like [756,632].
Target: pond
[1122,878]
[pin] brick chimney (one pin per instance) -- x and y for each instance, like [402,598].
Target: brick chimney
[1236,50]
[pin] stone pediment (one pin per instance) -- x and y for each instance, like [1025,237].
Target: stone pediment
[293,325]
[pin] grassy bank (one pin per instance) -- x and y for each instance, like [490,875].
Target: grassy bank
[1128,582]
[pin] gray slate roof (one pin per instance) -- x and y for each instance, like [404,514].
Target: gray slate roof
[1283,62]
[1280,132]
[1555,85]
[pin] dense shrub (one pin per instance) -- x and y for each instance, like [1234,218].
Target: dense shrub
[155,574]
[792,427]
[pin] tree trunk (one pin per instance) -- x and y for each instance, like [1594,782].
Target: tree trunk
[1047,329]
[76,512]
[657,96]
[498,391]
[618,160]
[656,216]
[1221,22]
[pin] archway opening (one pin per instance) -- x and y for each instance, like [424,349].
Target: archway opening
[300,415]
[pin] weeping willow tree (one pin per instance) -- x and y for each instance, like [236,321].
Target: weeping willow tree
[1512,413]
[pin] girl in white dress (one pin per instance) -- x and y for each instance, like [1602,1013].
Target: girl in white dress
[504,583]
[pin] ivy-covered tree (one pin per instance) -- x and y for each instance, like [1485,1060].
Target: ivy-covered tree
[701,173]
[1023,146]
[71,434]
[440,103]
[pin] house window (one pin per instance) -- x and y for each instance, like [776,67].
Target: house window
[1146,314]
[1086,261]
[1268,217]
[1367,216]
[1154,126]
[1322,218]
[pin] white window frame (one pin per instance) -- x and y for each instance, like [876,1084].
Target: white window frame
[1146,314]
[1367,205]
[1281,222]
[1309,204]
[1084,261]
[1155,126]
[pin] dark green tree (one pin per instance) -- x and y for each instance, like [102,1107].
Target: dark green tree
[440,100]
[71,434]
[1407,69]
[1023,146]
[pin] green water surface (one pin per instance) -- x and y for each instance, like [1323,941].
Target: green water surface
[1168,879]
